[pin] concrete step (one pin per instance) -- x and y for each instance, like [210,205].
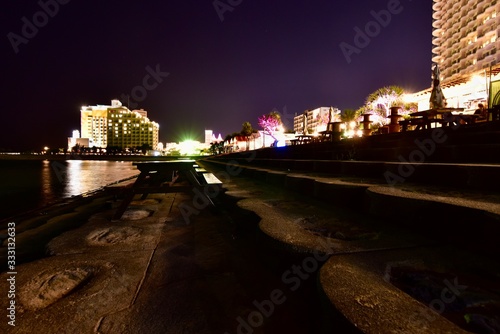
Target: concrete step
[379,275]
[419,290]
[469,217]
[465,175]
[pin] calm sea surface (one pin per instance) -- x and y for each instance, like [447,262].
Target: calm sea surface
[27,185]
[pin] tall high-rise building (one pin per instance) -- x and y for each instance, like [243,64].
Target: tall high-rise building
[466,47]
[465,36]
[117,126]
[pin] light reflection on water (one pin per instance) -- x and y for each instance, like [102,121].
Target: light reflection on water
[82,176]
[27,185]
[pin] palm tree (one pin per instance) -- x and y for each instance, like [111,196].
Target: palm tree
[247,131]
[381,100]
[349,115]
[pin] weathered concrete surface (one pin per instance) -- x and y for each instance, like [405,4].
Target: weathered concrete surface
[115,258]
[419,228]
[154,272]
[419,290]
[307,226]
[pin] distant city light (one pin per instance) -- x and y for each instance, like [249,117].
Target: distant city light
[281,143]
[188,147]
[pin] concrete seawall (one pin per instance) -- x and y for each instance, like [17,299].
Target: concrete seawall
[444,232]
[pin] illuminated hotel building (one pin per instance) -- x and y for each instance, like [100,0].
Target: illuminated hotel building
[466,45]
[117,126]
[465,36]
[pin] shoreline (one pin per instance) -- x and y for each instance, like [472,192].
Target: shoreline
[51,220]
[105,190]
[63,157]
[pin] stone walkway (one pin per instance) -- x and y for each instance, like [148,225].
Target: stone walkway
[271,258]
[153,272]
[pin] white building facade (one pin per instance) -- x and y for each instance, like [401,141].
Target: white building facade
[315,120]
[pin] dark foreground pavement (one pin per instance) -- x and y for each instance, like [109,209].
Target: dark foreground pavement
[153,271]
[269,259]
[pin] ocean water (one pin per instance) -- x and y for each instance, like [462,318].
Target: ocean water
[27,185]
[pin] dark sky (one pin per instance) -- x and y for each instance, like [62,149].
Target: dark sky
[263,55]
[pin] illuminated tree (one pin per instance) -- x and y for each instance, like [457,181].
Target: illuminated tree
[271,123]
[379,103]
[383,98]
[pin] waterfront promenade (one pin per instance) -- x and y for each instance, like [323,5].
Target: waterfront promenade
[271,258]
[294,245]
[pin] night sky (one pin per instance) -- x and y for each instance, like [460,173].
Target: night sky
[212,68]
